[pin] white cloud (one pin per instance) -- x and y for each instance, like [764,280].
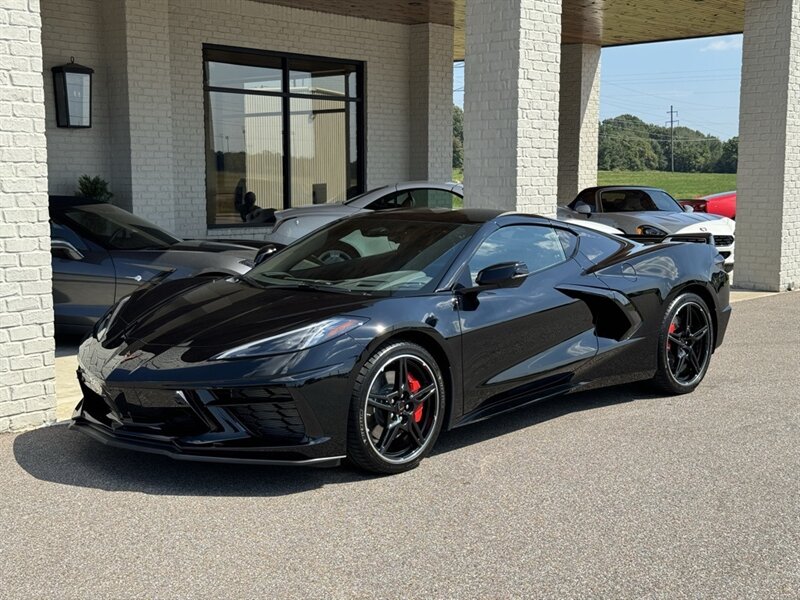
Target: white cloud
[723,45]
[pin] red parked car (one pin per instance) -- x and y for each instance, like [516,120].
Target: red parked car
[723,204]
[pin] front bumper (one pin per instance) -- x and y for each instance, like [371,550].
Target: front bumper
[299,420]
[109,438]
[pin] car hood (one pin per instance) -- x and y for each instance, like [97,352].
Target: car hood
[677,222]
[215,246]
[222,314]
[328,210]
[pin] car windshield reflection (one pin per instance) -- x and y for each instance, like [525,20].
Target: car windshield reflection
[393,256]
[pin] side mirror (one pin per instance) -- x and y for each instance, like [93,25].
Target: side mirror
[502,275]
[688,208]
[265,252]
[64,249]
[583,209]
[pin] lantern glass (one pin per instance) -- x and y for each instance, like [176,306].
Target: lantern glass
[79,92]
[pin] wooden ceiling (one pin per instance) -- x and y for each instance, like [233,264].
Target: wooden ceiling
[604,22]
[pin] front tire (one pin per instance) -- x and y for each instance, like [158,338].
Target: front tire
[685,345]
[397,409]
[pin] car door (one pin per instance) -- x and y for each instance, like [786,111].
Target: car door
[521,341]
[84,284]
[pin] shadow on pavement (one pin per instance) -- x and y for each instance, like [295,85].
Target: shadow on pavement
[541,412]
[59,455]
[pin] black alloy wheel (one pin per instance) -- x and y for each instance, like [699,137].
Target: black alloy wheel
[685,345]
[397,409]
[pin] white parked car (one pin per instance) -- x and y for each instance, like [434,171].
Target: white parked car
[293,223]
[650,212]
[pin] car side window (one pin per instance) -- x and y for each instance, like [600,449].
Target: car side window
[596,246]
[538,246]
[569,241]
[417,198]
[402,199]
[435,198]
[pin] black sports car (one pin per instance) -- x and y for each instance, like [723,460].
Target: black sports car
[101,253]
[446,318]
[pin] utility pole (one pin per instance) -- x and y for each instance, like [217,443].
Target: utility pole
[672,122]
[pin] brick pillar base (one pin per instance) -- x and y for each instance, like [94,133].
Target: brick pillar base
[768,186]
[27,391]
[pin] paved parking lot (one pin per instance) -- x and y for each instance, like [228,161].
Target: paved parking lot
[616,493]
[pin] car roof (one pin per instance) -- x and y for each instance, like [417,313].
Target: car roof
[446,215]
[434,215]
[600,188]
[438,185]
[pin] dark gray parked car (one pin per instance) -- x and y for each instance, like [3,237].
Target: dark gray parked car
[102,253]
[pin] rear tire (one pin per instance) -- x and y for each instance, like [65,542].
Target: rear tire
[685,345]
[396,410]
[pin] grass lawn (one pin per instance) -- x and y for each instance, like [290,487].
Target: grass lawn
[679,185]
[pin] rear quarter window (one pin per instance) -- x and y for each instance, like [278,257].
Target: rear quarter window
[596,246]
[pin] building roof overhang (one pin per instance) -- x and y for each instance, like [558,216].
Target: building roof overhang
[600,22]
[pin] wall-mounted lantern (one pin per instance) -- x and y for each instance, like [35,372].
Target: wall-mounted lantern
[73,88]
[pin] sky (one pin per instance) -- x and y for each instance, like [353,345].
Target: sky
[699,77]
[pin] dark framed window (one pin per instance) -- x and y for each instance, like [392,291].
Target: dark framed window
[281,130]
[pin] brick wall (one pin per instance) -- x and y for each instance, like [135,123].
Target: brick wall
[26,316]
[768,199]
[579,110]
[513,52]
[72,28]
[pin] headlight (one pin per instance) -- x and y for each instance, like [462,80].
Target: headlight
[649,230]
[101,327]
[295,340]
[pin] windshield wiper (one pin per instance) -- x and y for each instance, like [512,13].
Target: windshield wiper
[291,282]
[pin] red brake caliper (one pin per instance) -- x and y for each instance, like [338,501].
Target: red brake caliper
[414,386]
[672,328]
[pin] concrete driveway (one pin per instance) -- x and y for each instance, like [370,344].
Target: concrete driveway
[616,493]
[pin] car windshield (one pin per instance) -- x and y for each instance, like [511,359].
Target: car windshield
[389,256]
[638,200]
[115,228]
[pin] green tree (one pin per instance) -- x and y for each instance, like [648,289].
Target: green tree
[458,137]
[628,143]
[729,158]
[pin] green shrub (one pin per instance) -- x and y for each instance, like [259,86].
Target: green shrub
[94,188]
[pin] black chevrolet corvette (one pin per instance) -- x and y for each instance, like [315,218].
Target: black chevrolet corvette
[444,318]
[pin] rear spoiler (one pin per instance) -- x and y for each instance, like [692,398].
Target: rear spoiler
[694,238]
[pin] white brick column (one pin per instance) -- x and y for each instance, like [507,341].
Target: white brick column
[27,389]
[140,106]
[579,119]
[431,101]
[768,198]
[513,53]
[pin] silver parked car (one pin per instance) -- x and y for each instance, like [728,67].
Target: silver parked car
[293,223]
[101,253]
